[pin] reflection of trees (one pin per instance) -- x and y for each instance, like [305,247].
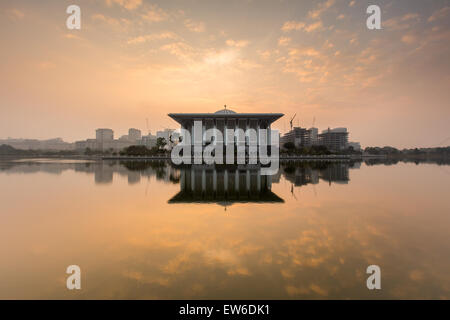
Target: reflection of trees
[142,165]
[392,161]
[309,172]
[158,167]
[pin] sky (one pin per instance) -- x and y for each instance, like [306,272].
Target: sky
[134,60]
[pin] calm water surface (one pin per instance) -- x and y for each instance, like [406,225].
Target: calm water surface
[142,230]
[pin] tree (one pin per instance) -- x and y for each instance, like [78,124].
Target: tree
[161,143]
[136,151]
[289,145]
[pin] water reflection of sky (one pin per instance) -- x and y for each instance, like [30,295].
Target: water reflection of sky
[117,222]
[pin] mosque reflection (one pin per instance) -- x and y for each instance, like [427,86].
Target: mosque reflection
[224,185]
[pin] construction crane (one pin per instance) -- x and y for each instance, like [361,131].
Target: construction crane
[148,128]
[292,119]
[314,121]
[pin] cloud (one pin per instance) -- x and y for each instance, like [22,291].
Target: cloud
[179,49]
[314,26]
[401,23]
[16,14]
[284,41]
[127,4]
[297,25]
[155,14]
[409,39]
[292,25]
[237,44]
[410,16]
[220,58]
[320,9]
[150,37]
[442,13]
[194,26]
[111,21]
[309,52]
[46,65]
[265,54]
[72,36]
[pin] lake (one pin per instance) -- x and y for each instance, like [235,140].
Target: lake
[148,230]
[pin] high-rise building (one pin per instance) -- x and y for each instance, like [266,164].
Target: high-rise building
[134,134]
[300,137]
[334,139]
[104,135]
[149,140]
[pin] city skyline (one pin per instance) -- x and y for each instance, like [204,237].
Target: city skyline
[132,59]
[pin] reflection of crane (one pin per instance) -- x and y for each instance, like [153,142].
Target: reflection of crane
[292,191]
[292,119]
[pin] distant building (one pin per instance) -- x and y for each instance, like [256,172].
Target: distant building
[149,141]
[334,139]
[85,144]
[300,137]
[105,140]
[104,135]
[34,144]
[356,146]
[312,137]
[134,134]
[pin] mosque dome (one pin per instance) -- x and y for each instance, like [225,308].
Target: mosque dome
[225,111]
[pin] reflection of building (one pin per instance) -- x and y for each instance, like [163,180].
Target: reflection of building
[309,173]
[224,185]
[222,120]
[103,173]
[336,172]
[334,139]
[300,175]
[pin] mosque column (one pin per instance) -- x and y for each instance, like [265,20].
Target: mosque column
[248,180]
[258,180]
[225,180]
[192,179]
[203,180]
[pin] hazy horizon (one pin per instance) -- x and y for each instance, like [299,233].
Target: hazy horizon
[138,59]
